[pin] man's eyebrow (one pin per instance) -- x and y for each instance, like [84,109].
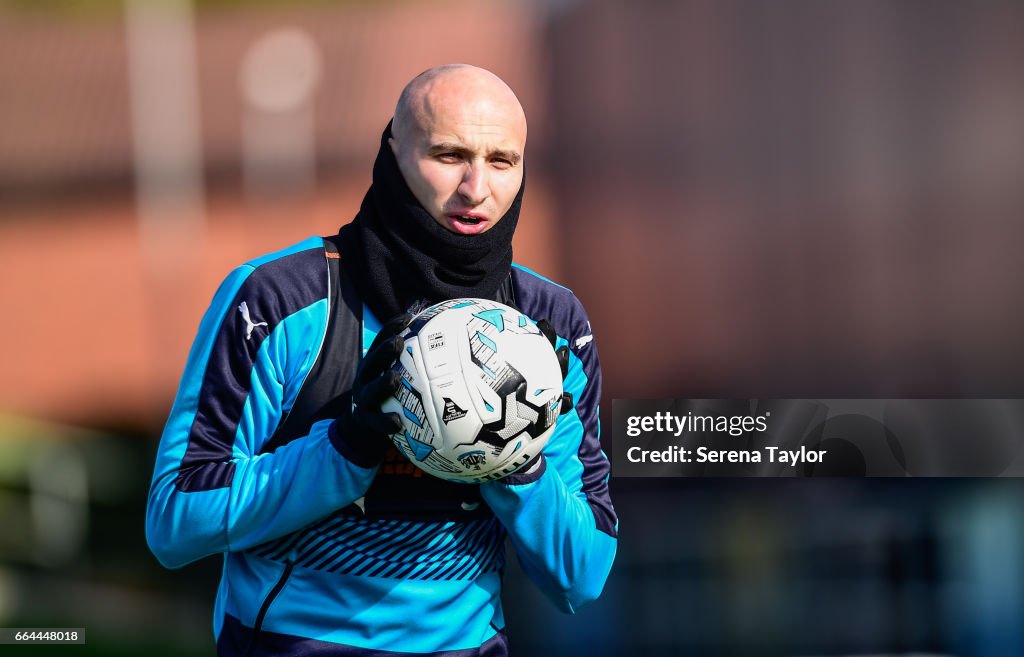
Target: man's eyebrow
[449,147]
[511,156]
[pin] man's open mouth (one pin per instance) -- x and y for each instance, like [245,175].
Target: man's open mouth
[467,224]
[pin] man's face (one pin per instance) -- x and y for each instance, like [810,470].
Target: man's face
[462,154]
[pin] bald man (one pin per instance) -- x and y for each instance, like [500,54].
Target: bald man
[276,453]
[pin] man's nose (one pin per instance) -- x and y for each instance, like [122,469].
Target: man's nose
[474,184]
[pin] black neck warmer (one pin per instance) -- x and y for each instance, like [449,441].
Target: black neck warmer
[397,255]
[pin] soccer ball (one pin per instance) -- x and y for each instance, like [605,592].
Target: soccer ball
[480,393]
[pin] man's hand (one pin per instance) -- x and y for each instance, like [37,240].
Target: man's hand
[562,353]
[375,381]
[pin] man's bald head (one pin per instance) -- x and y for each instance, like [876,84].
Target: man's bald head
[425,94]
[459,135]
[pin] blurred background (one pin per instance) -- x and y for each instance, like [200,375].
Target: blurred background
[752,198]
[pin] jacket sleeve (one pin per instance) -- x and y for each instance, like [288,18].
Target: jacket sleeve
[559,515]
[213,490]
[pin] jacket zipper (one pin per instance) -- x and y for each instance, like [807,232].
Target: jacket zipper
[289,564]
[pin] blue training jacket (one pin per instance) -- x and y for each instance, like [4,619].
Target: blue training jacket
[327,552]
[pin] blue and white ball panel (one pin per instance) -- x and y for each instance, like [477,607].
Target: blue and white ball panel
[486,401]
[452,404]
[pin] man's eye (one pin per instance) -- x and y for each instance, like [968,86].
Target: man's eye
[448,157]
[502,163]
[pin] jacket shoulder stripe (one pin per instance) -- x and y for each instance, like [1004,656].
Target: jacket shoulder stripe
[275,289]
[541,298]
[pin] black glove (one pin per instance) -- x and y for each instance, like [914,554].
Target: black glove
[562,354]
[366,427]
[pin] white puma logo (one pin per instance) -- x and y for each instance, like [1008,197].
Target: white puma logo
[244,309]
